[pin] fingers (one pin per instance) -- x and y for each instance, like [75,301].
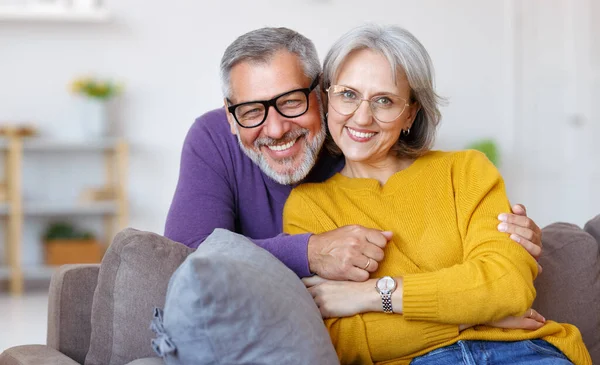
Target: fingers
[534,315]
[376,237]
[313,280]
[522,230]
[347,253]
[387,234]
[376,242]
[519,209]
[372,251]
[523,222]
[367,264]
[533,320]
[533,249]
[356,274]
[531,324]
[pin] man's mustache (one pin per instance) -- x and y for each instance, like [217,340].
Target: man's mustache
[289,136]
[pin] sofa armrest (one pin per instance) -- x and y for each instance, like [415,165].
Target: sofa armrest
[69,309]
[34,355]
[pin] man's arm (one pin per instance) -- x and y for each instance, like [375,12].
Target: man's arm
[204,198]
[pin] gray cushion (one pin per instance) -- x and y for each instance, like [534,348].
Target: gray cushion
[133,279]
[148,361]
[593,228]
[231,302]
[568,289]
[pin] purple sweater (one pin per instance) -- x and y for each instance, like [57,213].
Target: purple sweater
[220,187]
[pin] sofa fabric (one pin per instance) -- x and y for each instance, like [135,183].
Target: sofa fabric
[69,309]
[568,289]
[133,279]
[135,272]
[593,228]
[232,302]
[35,355]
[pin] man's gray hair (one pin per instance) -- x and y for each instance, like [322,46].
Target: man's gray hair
[260,45]
[404,52]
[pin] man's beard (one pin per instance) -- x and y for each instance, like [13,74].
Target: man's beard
[292,174]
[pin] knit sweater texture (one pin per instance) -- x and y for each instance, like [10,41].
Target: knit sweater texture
[456,267]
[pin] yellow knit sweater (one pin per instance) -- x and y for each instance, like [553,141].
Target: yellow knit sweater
[456,267]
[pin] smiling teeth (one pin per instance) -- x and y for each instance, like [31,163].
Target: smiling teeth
[360,134]
[282,147]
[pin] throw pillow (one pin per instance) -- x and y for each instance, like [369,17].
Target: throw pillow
[232,302]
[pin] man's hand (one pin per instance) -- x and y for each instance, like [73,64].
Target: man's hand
[523,230]
[347,253]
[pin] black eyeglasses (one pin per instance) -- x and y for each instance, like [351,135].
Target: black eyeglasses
[290,104]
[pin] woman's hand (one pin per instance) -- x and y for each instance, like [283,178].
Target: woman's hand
[342,298]
[523,230]
[531,320]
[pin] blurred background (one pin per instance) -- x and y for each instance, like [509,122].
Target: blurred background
[96,98]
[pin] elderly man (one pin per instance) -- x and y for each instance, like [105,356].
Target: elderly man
[239,163]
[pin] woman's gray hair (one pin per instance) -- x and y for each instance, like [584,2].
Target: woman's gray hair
[260,45]
[404,52]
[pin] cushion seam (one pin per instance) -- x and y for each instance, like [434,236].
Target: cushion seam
[112,305]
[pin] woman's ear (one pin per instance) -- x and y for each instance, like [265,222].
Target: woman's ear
[413,109]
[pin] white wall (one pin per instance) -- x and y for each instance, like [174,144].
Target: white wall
[168,52]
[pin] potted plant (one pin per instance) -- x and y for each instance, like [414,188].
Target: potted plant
[489,148]
[64,244]
[94,94]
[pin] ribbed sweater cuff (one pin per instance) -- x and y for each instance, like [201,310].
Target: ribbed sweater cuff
[437,333]
[420,297]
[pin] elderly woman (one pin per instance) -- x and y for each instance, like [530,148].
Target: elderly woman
[447,270]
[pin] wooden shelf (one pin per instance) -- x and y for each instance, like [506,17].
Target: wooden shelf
[53,14]
[114,213]
[53,209]
[49,145]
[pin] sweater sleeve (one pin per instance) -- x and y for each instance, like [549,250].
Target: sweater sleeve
[393,336]
[204,199]
[495,279]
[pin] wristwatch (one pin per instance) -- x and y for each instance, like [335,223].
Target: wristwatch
[385,287]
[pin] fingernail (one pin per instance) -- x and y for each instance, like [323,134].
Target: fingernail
[503,217]
[515,238]
[502,227]
[543,319]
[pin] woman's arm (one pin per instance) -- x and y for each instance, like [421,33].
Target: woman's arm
[495,278]
[349,334]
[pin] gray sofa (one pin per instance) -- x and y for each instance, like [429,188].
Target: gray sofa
[100,314]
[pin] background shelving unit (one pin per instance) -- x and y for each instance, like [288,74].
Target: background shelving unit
[16,210]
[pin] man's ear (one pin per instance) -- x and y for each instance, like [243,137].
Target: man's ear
[229,118]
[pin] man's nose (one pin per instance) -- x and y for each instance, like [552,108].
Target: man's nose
[276,125]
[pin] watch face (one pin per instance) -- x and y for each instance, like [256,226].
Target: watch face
[386,284]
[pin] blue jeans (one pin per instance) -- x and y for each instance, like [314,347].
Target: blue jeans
[527,352]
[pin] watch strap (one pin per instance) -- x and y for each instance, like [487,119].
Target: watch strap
[386,301]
